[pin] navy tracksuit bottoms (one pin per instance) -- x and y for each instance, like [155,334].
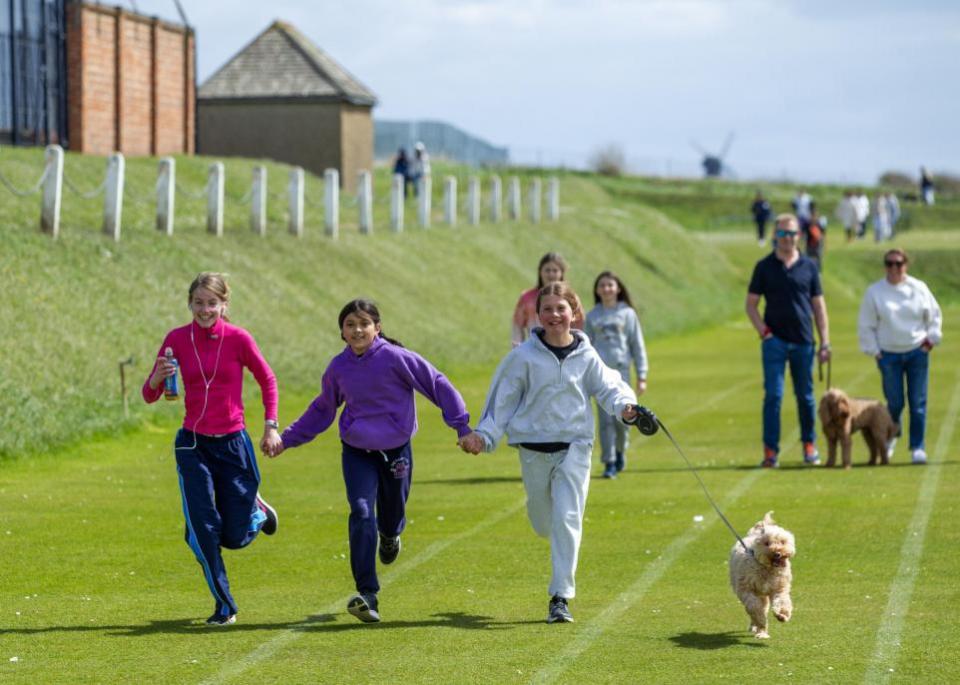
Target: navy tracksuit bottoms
[378,484]
[218,483]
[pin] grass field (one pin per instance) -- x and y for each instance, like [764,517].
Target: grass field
[97,586]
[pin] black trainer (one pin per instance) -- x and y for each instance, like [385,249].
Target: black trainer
[218,619]
[389,549]
[559,612]
[364,607]
[269,526]
[621,462]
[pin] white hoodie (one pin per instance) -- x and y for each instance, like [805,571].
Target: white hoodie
[534,397]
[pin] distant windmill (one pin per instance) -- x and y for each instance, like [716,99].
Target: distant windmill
[713,165]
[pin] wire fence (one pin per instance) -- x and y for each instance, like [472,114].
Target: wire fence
[24,193]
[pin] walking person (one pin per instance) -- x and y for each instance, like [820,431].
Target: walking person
[551,269]
[790,285]
[374,378]
[761,215]
[815,236]
[419,167]
[861,209]
[540,397]
[846,213]
[613,328]
[881,219]
[401,166]
[216,461]
[926,186]
[900,322]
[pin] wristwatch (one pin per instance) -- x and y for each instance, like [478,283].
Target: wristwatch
[270,423]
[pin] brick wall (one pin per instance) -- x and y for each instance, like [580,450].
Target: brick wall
[131,82]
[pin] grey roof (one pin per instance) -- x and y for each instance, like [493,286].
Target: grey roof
[283,63]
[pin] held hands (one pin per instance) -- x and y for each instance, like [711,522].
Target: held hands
[270,443]
[472,443]
[163,370]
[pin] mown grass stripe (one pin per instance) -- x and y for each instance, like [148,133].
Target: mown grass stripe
[887,649]
[271,647]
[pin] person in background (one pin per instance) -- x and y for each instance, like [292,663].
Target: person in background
[790,285]
[551,269]
[614,331]
[900,323]
[761,215]
[926,186]
[815,236]
[846,214]
[801,207]
[401,166]
[893,203]
[861,206]
[419,166]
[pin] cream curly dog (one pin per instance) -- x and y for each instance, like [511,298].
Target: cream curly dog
[842,416]
[760,575]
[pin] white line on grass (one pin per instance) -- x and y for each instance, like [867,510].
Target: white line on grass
[632,595]
[651,575]
[271,647]
[888,635]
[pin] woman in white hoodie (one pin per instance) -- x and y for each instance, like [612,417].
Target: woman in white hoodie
[900,322]
[540,396]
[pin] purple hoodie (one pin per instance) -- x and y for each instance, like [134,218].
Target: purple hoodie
[377,388]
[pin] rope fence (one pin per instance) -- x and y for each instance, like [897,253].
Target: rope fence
[460,196]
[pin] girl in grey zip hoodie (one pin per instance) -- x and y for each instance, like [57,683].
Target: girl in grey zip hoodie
[540,397]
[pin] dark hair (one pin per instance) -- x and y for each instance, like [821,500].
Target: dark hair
[560,289]
[361,306]
[622,296]
[557,259]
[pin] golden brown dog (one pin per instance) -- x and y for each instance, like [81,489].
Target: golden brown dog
[760,574]
[842,416]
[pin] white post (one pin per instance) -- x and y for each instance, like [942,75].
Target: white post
[365,201]
[513,198]
[215,199]
[397,203]
[535,200]
[423,201]
[296,201]
[450,200]
[496,196]
[166,185]
[553,199]
[473,201]
[52,191]
[258,201]
[113,196]
[331,202]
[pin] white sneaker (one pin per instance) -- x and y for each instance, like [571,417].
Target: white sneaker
[918,456]
[890,445]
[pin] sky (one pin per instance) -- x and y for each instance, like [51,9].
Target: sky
[839,90]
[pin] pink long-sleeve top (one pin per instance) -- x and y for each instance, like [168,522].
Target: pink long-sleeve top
[237,349]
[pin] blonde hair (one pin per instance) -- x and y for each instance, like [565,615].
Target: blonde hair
[560,289]
[215,283]
[788,219]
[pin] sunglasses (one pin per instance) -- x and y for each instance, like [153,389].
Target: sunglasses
[891,263]
[783,234]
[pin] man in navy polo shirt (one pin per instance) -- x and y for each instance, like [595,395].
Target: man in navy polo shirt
[790,284]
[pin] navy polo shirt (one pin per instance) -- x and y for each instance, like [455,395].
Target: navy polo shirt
[787,294]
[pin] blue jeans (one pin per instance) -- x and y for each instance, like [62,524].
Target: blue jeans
[777,353]
[914,365]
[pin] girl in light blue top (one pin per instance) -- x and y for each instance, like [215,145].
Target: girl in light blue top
[614,330]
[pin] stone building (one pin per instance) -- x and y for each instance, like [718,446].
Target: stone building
[282,98]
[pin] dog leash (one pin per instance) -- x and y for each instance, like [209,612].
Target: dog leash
[647,423]
[820,372]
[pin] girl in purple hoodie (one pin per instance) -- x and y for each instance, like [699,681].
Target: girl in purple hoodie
[375,378]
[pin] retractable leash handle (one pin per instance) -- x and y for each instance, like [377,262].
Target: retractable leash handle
[646,421]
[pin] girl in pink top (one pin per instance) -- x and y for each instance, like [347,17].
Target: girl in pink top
[216,461]
[551,269]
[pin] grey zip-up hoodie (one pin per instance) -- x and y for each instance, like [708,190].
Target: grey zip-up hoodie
[617,337]
[534,397]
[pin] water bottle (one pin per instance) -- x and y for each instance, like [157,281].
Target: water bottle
[170,389]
